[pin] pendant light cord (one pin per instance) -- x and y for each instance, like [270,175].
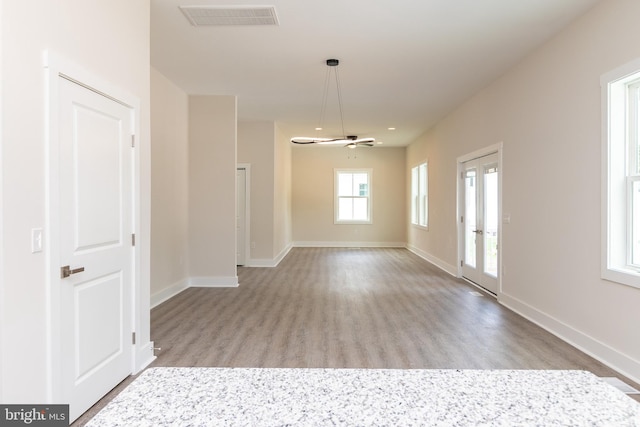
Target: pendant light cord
[325,97]
[323,105]
[344,135]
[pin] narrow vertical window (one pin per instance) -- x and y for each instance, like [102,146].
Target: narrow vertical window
[419,195]
[621,175]
[352,196]
[633,176]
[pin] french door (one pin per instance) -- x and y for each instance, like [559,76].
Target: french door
[480,221]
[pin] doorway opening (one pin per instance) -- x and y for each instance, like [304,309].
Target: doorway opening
[243,185]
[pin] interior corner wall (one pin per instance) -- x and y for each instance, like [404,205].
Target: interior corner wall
[547,112]
[256,147]
[282,195]
[169,187]
[109,38]
[212,190]
[312,195]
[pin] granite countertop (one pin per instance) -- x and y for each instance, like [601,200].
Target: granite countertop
[367,397]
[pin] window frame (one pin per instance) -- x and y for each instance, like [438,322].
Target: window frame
[620,145]
[337,197]
[420,195]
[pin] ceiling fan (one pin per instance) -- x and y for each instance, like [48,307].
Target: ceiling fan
[351,141]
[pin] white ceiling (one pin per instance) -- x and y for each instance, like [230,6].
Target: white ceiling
[403,63]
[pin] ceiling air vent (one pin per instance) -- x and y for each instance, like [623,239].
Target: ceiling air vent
[230,15]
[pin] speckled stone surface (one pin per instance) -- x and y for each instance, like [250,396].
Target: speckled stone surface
[367,397]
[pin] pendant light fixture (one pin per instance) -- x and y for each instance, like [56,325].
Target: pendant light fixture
[351,141]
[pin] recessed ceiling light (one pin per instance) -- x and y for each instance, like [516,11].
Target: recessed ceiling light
[318,128]
[391,128]
[379,142]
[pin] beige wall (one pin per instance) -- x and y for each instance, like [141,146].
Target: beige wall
[110,39]
[212,190]
[312,189]
[262,145]
[169,186]
[282,196]
[547,112]
[256,147]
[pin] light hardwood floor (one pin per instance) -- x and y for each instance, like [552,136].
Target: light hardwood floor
[352,308]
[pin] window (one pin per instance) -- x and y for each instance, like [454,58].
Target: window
[352,196]
[419,191]
[621,175]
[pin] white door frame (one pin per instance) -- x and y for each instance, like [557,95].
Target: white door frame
[247,208]
[495,148]
[57,67]
[1,216]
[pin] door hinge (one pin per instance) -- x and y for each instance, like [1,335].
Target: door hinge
[461,262]
[133,141]
[462,219]
[133,338]
[133,240]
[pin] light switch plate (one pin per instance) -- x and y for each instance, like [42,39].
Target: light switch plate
[36,240]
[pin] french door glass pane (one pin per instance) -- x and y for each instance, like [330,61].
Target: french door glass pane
[491,221]
[470,189]
[423,194]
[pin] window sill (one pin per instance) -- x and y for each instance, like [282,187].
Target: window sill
[420,227]
[352,222]
[624,276]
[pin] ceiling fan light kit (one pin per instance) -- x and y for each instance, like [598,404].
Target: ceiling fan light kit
[351,141]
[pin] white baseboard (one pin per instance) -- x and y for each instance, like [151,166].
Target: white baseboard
[213,282]
[283,253]
[445,266]
[311,244]
[266,262]
[611,357]
[261,262]
[168,293]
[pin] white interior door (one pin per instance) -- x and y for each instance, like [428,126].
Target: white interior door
[480,221]
[96,253]
[241,213]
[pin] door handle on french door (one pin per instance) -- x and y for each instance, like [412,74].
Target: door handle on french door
[66,271]
[477,231]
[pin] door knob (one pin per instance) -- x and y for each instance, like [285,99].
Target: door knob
[66,271]
[477,231]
